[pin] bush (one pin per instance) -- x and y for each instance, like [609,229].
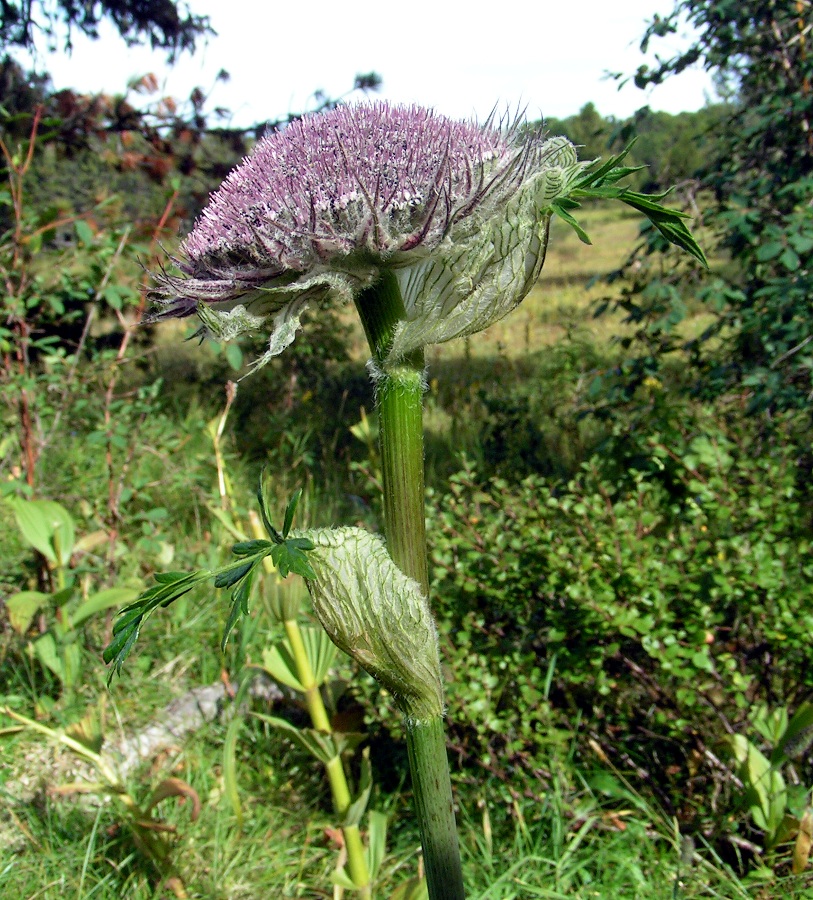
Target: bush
[655,608]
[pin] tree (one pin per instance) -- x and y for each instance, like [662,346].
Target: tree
[759,173]
[166,24]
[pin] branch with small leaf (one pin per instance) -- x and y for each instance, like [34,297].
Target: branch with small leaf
[601,183]
[288,554]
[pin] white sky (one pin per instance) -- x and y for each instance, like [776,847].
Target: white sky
[461,58]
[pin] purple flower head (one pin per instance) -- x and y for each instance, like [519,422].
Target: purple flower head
[457,211]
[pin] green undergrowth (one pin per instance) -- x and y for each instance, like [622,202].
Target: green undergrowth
[619,589]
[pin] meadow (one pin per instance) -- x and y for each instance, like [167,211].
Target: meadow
[623,602]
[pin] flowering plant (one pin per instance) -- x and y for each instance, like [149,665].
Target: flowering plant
[458,213]
[433,229]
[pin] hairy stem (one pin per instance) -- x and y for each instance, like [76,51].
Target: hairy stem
[400,412]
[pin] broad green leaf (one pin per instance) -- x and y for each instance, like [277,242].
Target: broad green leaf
[46,652]
[376,841]
[234,355]
[22,608]
[72,662]
[103,600]
[47,526]
[83,232]
[767,794]
[798,735]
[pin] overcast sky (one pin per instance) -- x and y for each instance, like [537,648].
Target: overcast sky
[550,58]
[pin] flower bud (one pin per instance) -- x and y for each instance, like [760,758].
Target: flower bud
[378,616]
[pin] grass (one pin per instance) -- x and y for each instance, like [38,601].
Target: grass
[565,847]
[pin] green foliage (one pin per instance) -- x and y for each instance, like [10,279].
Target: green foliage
[287,554]
[49,529]
[600,182]
[669,149]
[644,595]
[780,809]
[136,807]
[756,187]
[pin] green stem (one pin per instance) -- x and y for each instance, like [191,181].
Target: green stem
[304,671]
[432,789]
[400,413]
[356,860]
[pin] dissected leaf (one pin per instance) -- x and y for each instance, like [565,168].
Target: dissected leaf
[320,745]
[290,512]
[101,601]
[279,662]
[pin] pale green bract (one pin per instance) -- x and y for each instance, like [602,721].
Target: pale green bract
[325,209]
[488,263]
[377,615]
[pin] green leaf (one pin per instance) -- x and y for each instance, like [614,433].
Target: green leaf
[790,260]
[600,183]
[169,588]
[233,574]
[798,735]
[46,652]
[769,250]
[239,605]
[321,746]
[106,599]
[322,652]
[112,296]
[83,232]
[249,548]
[558,207]
[290,512]
[288,556]
[22,608]
[47,526]
[234,355]
[358,807]
[230,756]
[376,841]
[263,492]
[767,794]
[278,661]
